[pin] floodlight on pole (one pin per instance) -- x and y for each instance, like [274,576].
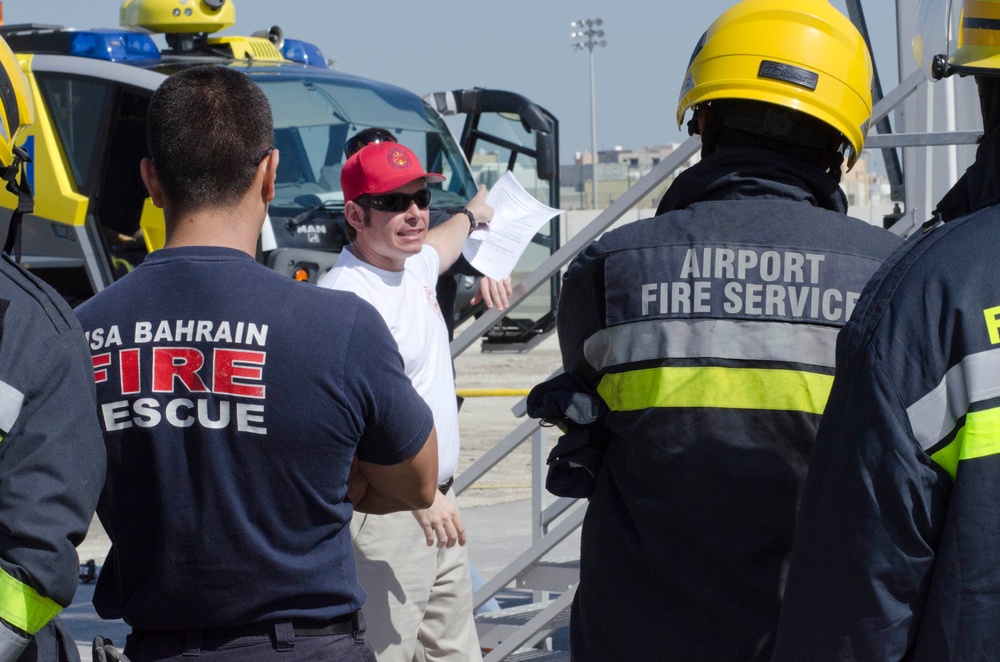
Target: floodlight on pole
[589,35]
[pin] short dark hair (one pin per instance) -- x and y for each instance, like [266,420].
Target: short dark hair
[208,129]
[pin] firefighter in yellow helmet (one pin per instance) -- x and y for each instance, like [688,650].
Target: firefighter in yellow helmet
[896,552]
[52,457]
[698,345]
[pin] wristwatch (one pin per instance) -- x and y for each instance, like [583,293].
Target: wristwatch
[472,218]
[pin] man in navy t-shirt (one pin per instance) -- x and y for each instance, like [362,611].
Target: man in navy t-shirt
[230,443]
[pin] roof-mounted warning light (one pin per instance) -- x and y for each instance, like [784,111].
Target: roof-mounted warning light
[292,49]
[113,45]
[303,52]
[177,16]
[110,45]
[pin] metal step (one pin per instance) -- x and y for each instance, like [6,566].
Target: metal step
[556,576]
[539,656]
[493,627]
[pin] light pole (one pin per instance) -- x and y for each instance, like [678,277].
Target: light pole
[589,34]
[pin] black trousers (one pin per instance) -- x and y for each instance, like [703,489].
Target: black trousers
[280,643]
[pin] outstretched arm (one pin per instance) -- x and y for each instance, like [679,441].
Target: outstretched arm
[449,237]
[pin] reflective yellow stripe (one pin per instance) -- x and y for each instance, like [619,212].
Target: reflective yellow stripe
[22,607]
[726,388]
[979,437]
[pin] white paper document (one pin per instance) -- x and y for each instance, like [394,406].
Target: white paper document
[494,249]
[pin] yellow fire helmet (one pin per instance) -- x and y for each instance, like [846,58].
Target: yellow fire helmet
[958,37]
[800,54]
[18,111]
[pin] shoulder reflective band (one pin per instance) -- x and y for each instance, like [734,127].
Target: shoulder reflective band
[975,379]
[977,438]
[723,388]
[11,401]
[22,607]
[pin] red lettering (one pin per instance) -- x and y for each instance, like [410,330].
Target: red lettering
[129,360]
[101,361]
[182,363]
[232,364]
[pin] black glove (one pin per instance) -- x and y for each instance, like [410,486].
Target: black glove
[105,651]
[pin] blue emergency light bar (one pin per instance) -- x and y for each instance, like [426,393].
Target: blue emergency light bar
[303,52]
[102,44]
[113,45]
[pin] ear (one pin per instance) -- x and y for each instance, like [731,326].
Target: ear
[354,215]
[270,166]
[148,172]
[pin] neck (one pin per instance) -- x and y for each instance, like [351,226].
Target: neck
[364,253]
[226,227]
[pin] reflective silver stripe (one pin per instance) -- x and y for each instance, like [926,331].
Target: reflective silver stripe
[689,339]
[11,645]
[11,401]
[934,416]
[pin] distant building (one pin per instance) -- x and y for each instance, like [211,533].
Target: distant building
[617,171]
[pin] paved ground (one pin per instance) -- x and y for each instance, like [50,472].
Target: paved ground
[497,509]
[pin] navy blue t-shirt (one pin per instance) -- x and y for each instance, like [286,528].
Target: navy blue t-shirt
[232,401]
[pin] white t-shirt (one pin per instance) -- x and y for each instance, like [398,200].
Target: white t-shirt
[407,301]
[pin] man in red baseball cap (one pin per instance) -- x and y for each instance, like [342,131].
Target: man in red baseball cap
[419,593]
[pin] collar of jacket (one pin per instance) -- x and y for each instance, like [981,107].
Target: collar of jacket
[753,173]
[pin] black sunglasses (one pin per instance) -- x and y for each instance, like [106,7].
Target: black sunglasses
[367,137]
[396,201]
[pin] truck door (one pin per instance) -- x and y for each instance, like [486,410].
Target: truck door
[505,131]
[86,144]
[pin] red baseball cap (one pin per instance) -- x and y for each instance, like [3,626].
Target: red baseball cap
[381,167]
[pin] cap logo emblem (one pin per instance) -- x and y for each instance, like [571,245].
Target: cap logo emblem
[786,73]
[398,159]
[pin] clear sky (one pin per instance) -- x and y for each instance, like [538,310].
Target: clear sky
[519,45]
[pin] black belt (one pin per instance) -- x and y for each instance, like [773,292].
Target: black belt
[302,627]
[446,485]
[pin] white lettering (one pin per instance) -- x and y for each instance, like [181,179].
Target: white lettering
[793,268]
[246,414]
[814,260]
[115,415]
[681,298]
[770,266]
[831,312]
[223,333]
[184,331]
[257,334]
[173,413]
[163,332]
[774,300]
[734,303]
[747,261]
[204,333]
[143,332]
[146,412]
[205,420]
[690,267]
[702,295]
[648,296]
[753,297]
[852,300]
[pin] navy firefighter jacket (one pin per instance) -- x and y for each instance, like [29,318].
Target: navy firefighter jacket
[709,331]
[52,460]
[899,539]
